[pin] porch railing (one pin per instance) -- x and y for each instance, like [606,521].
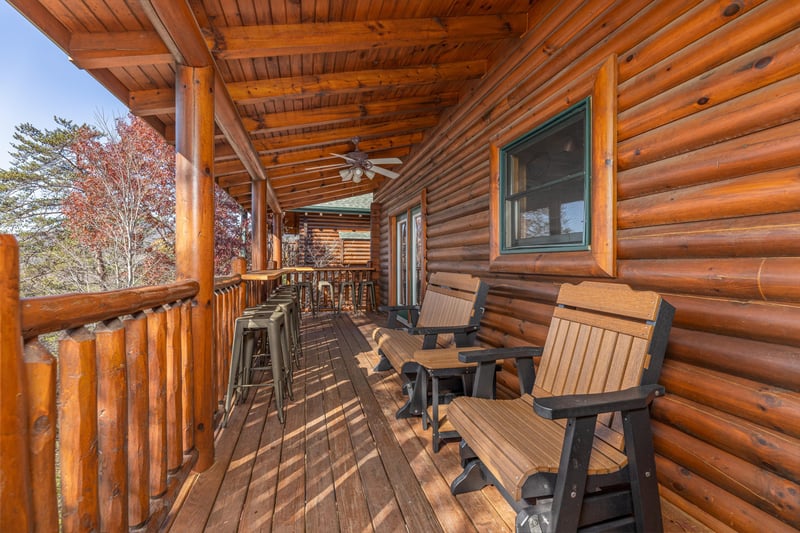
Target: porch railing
[100,436]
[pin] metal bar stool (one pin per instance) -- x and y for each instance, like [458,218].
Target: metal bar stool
[345,285]
[305,291]
[288,305]
[243,352]
[369,285]
[322,286]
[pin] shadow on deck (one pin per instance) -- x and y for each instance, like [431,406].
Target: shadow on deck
[342,462]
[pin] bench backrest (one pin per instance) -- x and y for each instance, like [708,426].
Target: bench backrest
[452,300]
[603,337]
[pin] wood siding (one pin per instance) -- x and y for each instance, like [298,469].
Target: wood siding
[317,231]
[708,212]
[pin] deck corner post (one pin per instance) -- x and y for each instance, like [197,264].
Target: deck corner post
[194,234]
[16,495]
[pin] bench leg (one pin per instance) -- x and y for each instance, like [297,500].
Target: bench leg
[383,365]
[415,404]
[471,479]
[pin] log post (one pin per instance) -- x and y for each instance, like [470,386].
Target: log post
[259,221]
[16,510]
[194,234]
[277,239]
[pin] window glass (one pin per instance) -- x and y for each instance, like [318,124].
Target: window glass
[545,181]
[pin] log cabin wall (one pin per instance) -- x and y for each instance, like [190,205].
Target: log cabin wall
[322,231]
[708,213]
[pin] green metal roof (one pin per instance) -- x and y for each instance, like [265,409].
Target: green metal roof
[354,204]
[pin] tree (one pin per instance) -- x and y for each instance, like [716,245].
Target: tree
[94,208]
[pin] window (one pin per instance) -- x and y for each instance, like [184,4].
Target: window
[545,180]
[553,192]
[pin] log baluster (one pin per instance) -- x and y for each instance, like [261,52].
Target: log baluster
[187,376]
[174,362]
[156,368]
[138,420]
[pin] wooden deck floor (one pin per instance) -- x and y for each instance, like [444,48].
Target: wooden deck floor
[342,462]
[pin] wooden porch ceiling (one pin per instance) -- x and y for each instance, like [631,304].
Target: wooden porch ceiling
[296,80]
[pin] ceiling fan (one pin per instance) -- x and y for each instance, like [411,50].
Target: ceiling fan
[357,164]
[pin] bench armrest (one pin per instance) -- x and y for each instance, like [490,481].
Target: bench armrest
[493,354]
[394,310]
[431,334]
[579,405]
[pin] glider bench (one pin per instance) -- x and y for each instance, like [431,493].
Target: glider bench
[449,315]
[575,449]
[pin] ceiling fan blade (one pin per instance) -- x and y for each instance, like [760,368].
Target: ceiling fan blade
[387,161]
[384,172]
[350,159]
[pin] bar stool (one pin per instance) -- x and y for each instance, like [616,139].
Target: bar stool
[322,285]
[342,286]
[305,291]
[370,286]
[289,306]
[247,327]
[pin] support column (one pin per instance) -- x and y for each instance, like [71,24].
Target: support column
[194,235]
[259,209]
[277,239]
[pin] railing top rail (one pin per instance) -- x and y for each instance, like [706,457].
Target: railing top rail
[223,282]
[45,314]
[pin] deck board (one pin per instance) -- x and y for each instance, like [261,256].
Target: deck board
[342,462]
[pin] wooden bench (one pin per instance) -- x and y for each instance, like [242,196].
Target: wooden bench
[449,315]
[575,449]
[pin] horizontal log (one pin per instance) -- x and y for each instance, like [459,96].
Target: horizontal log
[739,36]
[726,507]
[754,236]
[756,402]
[469,222]
[777,191]
[476,269]
[765,108]
[476,205]
[776,364]
[535,312]
[691,25]
[468,192]
[225,282]
[466,238]
[767,449]
[532,333]
[766,150]
[55,313]
[690,512]
[767,491]
[774,61]
[769,279]
[457,252]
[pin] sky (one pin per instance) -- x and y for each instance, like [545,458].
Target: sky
[38,82]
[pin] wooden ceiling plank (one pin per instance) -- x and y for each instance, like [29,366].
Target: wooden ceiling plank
[348,112]
[245,42]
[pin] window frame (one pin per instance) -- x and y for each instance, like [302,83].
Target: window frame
[599,260]
[584,108]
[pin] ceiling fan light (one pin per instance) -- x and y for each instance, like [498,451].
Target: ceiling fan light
[345,174]
[358,172]
[370,174]
[357,178]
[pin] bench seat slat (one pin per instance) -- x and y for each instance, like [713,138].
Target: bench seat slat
[514,445]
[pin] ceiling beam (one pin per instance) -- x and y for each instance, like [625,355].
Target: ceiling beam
[247,42]
[337,135]
[275,159]
[175,23]
[321,116]
[145,47]
[160,101]
[118,49]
